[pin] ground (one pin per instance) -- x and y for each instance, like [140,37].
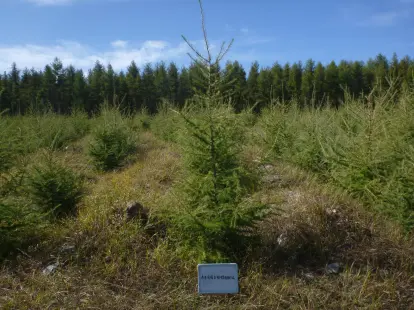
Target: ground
[106,262]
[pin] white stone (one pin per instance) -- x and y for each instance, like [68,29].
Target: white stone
[50,269]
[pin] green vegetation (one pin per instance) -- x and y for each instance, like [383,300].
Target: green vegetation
[284,186]
[334,205]
[112,140]
[54,188]
[365,149]
[64,89]
[215,212]
[23,135]
[17,226]
[29,192]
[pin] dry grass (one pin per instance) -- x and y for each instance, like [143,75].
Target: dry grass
[122,265]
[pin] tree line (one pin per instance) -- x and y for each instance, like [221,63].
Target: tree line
[62,89]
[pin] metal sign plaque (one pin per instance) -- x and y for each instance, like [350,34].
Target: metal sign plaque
[218,279]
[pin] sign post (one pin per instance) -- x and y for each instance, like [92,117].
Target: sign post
[218,279]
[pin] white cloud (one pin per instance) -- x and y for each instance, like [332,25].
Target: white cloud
[255,40]
[381,19]
[155,44]
[364,15]
[84,57]
[50,2]
[119,53]
[119,44]
[367,16]
[229,28]
[244,30]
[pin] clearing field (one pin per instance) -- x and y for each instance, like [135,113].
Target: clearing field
[114,187]
[335,233]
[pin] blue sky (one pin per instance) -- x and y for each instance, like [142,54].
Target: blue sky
[117,31]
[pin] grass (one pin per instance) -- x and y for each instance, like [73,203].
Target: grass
[118,264]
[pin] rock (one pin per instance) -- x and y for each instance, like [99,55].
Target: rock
[333,268]
[67,248]
[266,168]
[282,240]
[50,269]
[134,210]
[272,178]
[332,212]
[308,276]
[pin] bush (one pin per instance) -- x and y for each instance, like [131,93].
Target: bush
[166,124]
[112,141]
[54,131]
[365,149]
[54,188]
[21,135]
[373,161]
[7,146]
[80,124]
[18,223]
[141,121]
[278,134]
